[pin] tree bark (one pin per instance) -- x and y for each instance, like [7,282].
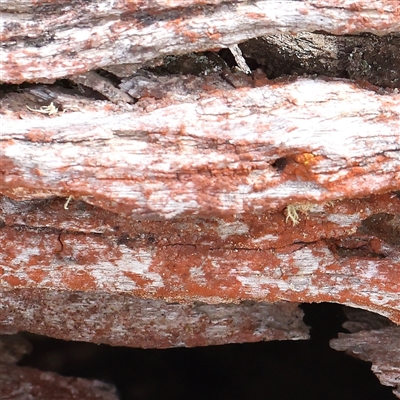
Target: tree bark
[380,347]
[131,188]
[214,155]
[44,41]
[120,319]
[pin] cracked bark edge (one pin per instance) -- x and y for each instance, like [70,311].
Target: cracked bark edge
[123,320]
[380,347]
[123,35]
[210,154]
[333,254]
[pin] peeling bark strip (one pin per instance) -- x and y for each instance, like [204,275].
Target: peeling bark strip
[49,41]
[380,347]
[346,252]
[123,320]
[212,156]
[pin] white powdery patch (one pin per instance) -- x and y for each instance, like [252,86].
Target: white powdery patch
[256,284]
[103,6]
[383,299]
[115,282]
[111,275]
[124,153]
[344,219]
[121,191]
[368,269]
[232,201]
[304,259]
[226,229]
[139,263]
[173,208]
[17,149]
[24,255]
[299,283]
[293,188]
[306,262]
[266,238]
[197,275]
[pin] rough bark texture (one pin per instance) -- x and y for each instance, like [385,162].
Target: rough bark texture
[122,320]
[196,190]
[227,151]
[366,57]
[347,252]
[21,383]
[44,40]
[375,339]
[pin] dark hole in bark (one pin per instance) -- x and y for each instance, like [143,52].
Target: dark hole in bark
[227,56]
[280,163]
[274,370]
[110,76]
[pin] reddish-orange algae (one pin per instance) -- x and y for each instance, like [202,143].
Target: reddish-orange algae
[37,275]
[78,280]
[14,281]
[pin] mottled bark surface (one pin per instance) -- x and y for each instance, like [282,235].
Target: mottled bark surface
[219,152]
[346,251]
[172,209]
[122,320]
[45,40]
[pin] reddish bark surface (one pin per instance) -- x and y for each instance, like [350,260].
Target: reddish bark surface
[219,195]
[346,252]
[207,152]
[48,40]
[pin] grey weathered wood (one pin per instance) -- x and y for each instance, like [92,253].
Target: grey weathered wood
[125,320]
[46,41]
[215,154]
[381,347]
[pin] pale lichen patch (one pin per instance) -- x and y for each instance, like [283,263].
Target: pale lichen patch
[292,211]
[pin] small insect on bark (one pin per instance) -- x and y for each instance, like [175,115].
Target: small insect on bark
[67,202]
[51,109]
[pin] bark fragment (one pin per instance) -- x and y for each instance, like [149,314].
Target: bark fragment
[325,257]
[208,153]
[44,41]
[381,347]
[123,320]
